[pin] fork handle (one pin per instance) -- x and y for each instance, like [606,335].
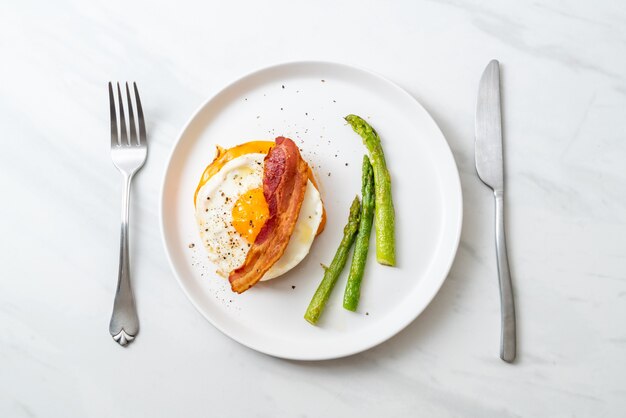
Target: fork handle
[124,324]
[507,305]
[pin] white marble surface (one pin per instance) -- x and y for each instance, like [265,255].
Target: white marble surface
[564,77]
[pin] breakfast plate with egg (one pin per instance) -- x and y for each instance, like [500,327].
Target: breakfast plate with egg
[256,195]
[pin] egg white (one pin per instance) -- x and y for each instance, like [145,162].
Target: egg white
[226,248]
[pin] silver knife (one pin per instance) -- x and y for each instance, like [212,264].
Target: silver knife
[490,168]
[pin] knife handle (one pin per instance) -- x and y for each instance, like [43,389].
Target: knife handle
[507,305]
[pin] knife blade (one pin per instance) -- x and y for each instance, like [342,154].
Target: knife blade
[490,169]
[488,150]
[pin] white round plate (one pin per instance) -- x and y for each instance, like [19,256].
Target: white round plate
[306,101]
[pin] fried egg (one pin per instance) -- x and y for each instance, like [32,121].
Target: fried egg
[231,210]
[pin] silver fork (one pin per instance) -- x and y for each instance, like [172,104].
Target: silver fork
[129,152]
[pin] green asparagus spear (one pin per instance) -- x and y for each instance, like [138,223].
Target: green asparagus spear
[384,214]
[332,272]
[353,286]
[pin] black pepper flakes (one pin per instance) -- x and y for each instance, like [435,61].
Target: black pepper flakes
[293,287]
[192,245]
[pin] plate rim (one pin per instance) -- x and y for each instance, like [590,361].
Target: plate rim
[448,262]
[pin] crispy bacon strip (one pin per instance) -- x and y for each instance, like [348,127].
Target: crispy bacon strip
[284,184]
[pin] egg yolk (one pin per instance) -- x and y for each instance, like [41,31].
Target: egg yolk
[250,213]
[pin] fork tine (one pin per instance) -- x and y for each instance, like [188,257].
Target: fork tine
[114,140]
[123,135]
[142,125]
[131,118]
